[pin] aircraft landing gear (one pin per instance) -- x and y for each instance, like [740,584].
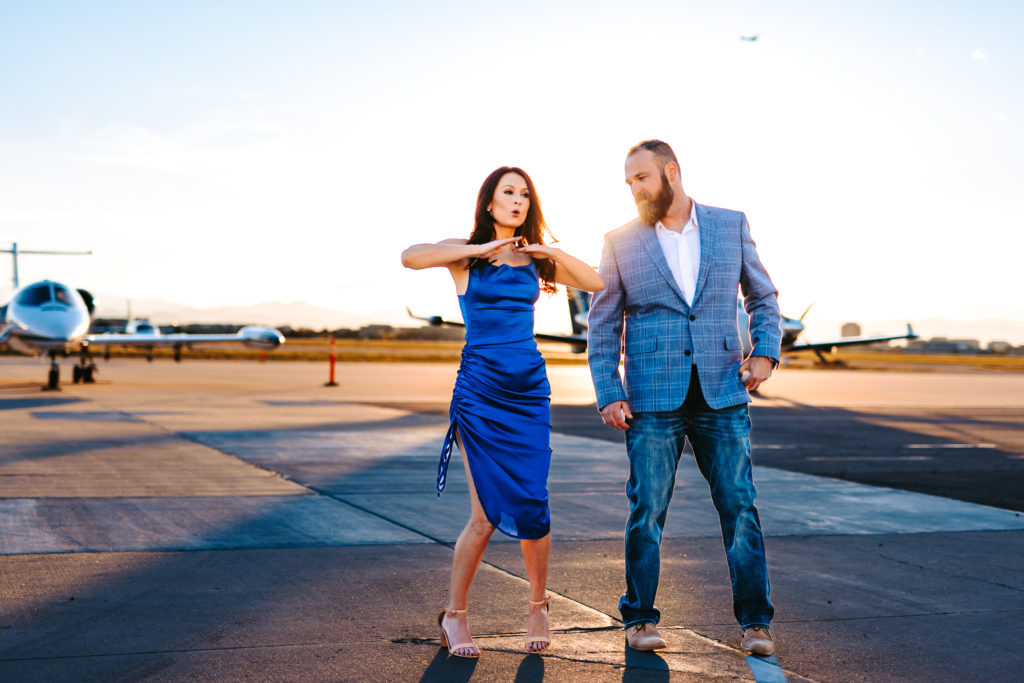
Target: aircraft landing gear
[85,371]
[53,379]
[826,363]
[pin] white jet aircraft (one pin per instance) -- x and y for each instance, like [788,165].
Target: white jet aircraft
[48,318]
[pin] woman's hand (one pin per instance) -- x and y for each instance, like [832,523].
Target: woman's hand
[451,253]
[569,270]
[537,251]
[489,249]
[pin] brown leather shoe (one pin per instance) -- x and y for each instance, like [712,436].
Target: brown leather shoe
[644,637]
[758,640]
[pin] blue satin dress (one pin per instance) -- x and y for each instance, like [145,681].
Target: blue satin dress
[501,406]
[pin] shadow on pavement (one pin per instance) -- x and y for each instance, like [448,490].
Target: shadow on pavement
[531,669]
[448,669]
[976,456]
[41,402]
[644,666]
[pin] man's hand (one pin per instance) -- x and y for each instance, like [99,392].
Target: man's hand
[616,413]
[760,369]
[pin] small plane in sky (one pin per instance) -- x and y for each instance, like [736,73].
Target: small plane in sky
[51,319]
[579,307]
[751,39]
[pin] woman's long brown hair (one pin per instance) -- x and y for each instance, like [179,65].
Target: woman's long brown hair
[532,229]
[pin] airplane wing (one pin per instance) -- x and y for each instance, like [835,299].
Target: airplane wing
[251,335]
[849,341]
[578,342]
[434,320]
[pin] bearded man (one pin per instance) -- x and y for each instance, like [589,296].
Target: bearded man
[671,283]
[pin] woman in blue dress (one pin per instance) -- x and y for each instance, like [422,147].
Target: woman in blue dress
[500,412]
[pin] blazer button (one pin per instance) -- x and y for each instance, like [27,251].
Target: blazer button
[693,317]
[686,352]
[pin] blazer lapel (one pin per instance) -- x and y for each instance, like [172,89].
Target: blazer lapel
[706,225]
[649,237]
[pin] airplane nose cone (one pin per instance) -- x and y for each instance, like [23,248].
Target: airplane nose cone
[57,325]
[261,337]
[791,326]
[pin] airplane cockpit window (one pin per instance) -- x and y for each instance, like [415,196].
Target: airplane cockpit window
[63,294]
[36,295]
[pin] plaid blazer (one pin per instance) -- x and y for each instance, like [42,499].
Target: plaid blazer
[642,312]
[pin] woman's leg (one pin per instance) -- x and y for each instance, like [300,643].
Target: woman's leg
[469,551]
[535,555]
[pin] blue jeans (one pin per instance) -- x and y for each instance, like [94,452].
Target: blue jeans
[721,447]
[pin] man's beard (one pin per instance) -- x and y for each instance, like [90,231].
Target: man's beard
[653,209]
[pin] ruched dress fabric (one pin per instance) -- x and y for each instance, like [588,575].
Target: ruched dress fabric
[501,405]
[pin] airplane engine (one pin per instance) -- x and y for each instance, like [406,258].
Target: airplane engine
[88,299]
[256,337]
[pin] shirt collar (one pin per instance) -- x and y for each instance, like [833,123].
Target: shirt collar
[690,224]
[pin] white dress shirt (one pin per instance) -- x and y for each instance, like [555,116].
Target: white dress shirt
[682,251]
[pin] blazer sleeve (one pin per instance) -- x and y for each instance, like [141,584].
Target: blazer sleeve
[604,331]
[760,299]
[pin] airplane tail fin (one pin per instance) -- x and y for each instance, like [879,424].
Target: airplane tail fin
[14,251]
[579,307]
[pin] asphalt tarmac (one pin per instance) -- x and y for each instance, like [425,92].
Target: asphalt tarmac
[240,521]
[953,434]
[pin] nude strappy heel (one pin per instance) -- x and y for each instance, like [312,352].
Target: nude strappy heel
[539,639]
[446,641]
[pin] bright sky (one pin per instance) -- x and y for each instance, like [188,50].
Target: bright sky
[231,153]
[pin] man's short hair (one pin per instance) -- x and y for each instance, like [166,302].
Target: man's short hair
[661,151]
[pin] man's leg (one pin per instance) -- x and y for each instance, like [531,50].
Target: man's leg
[654,442]
[721,446]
